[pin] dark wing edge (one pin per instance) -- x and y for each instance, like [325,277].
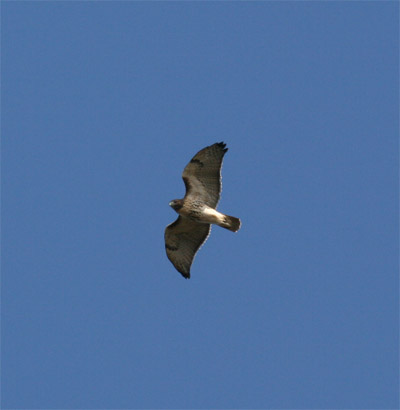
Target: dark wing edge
[202,175]
[183,239]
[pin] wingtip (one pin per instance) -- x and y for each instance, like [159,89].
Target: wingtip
[222,145]
[184,273]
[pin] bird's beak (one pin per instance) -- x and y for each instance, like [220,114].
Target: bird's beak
[170,204]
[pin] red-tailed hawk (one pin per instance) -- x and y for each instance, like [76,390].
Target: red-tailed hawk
[197,210]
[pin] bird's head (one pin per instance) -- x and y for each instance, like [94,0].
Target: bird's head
[176,204]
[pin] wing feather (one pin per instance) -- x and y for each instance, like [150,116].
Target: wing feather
[183,238]
[202,176]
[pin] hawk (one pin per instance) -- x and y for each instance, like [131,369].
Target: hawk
[197,210]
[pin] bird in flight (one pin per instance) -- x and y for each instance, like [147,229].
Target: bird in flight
[197,210]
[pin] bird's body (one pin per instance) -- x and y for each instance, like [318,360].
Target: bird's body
[201,213]
[202,178]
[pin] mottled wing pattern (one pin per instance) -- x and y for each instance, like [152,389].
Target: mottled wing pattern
[202,176]
[183,239]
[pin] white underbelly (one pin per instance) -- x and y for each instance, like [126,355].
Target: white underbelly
[212,216]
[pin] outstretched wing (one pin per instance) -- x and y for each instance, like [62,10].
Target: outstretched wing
[183,239]
[202,176]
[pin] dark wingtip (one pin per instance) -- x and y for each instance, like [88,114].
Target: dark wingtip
[222,145]
[184,273]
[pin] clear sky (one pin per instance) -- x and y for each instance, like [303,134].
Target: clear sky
[103,104]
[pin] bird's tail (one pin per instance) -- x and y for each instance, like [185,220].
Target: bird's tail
[231,223]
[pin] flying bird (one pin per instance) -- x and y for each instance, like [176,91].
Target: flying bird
[197,210]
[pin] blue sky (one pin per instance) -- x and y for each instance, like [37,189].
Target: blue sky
[103,104]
